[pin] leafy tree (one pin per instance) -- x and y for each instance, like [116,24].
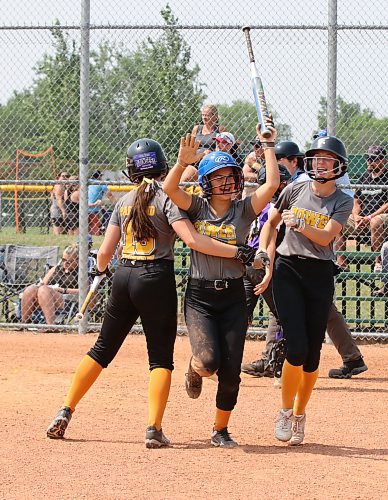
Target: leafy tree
[152,91]
[358,128]
[240,118]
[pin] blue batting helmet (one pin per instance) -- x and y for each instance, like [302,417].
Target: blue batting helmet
[213,162]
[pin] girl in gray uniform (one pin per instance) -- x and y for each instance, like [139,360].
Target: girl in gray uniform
[314,213]
[215,304]
[145,222]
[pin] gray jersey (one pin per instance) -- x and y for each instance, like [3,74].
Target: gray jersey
[162,213]
[316,212]
[232,228]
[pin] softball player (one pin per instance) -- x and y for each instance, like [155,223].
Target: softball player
[215,305]
[314,213]
[145,221]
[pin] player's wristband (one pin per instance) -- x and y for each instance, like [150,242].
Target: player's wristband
[268,145]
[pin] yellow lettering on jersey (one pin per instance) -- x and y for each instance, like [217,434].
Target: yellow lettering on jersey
[126,210]
[225,232]
[133,249]
[313,219]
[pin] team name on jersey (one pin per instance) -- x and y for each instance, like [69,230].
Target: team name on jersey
[314,219]
[126,210]
[225,232]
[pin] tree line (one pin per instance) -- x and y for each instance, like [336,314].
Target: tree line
[152,91]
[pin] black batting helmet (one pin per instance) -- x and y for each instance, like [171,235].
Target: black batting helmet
[330,144]
[285,176]
[145,157]
[286,149]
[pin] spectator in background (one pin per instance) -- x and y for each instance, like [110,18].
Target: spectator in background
[71,198]
[252,164]
[49,294]
[289,155]
[92,254]
[96,192]
[205,133]
[57,208]
[370,209]
[383,291]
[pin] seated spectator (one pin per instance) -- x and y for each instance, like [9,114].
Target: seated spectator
[92,254]
[252,164]
[49,295]
[384,269]
[96,192]
[57,208]
[205,133]
[71,198]
[369,216]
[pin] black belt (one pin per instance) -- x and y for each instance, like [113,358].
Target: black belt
[222,284]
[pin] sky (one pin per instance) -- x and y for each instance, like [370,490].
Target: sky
[292,62]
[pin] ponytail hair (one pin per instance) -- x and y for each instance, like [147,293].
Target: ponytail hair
[142,227]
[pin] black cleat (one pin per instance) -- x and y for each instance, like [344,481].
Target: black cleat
[56,429]
[349,369]
[259,368]
[155,438]
[222,439]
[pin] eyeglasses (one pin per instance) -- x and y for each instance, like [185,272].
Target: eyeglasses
[373,158]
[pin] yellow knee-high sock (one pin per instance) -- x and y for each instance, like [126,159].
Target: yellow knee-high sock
[291,377]
[305,389]
[222,419]
[158,391]
[84,377]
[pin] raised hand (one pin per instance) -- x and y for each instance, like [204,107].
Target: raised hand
[188,151]
[268,119]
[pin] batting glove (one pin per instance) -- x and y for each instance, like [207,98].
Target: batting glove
[95,272]
[261,260]
[245,254]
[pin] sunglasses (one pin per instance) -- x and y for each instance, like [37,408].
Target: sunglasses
[374,158]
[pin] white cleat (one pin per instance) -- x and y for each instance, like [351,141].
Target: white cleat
[283,425]
[298,423]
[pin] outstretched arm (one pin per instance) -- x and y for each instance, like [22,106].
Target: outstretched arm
[187,156]
[210,246]
[264,193]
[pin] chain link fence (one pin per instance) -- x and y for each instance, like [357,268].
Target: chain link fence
[77,91]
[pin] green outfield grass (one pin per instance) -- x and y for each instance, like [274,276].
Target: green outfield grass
[38,237]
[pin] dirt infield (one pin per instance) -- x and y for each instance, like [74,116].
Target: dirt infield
[345,453]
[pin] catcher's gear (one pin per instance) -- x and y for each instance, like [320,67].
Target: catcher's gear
[215,161]
[330,144]
[245,254]
[145,157]
[261,260]
[276,357]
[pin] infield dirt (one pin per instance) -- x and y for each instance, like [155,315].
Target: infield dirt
[345,454]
